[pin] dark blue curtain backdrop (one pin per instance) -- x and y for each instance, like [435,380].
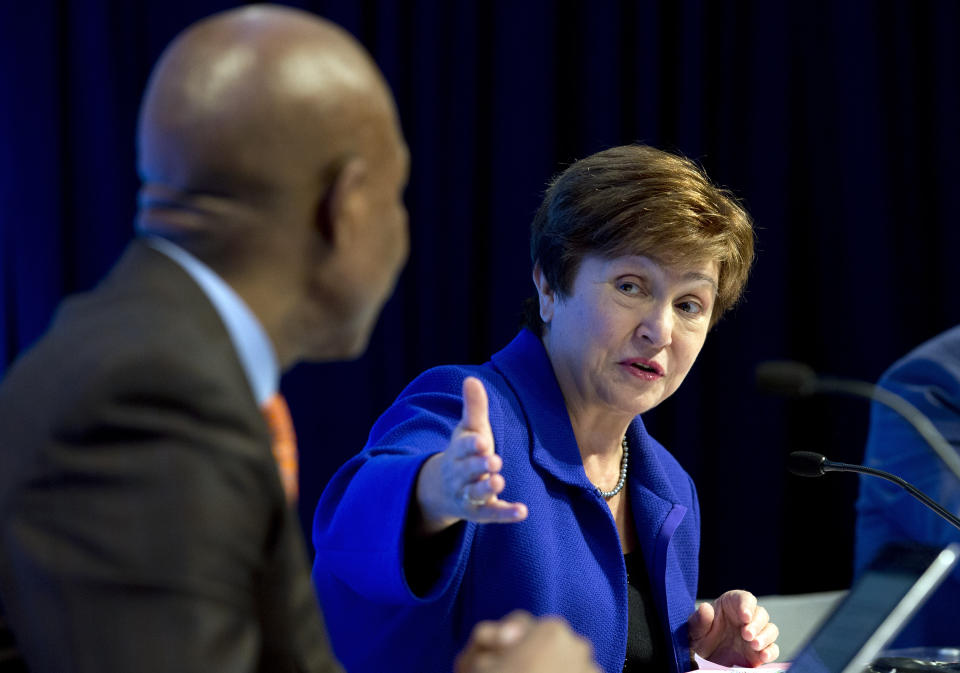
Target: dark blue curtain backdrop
[836,122]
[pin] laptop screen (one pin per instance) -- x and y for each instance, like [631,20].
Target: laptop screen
[877,607]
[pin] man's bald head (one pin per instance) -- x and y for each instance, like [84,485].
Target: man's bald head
[246,108]
[270,148]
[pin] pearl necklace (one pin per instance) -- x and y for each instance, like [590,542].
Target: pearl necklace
[623,473]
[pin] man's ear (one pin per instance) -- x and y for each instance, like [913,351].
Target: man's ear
[337,205]
[545,294]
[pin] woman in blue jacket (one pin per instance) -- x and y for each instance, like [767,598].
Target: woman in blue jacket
[635,256]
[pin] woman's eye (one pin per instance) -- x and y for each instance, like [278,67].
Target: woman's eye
[629,288]
[690,307]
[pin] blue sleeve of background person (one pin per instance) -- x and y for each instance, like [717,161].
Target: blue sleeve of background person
[929,379]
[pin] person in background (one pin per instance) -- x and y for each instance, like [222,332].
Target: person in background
[636,255]
[928,378]
[149,466]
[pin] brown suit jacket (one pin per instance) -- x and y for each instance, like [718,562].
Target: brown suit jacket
[143,526]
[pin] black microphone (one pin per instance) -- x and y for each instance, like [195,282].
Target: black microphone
[810,464]
[795,379]
[786,378]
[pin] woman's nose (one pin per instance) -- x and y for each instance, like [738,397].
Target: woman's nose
[656,327]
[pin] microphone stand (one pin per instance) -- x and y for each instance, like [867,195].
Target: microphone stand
[833,466]
[923,425]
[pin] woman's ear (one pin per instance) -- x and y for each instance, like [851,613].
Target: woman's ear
[544,293]
[337,206]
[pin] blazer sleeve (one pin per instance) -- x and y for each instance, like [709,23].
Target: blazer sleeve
[360,522]
[363,586]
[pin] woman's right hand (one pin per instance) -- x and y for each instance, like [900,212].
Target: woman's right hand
[463,481]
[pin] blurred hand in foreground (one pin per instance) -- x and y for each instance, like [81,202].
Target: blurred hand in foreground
[519,643]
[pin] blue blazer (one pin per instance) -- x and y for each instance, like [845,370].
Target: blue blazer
[564,559]
[929,378]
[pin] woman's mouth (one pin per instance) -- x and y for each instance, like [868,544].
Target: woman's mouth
[645,369]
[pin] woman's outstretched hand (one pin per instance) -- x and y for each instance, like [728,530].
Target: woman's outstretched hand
[734,631]
[463,481]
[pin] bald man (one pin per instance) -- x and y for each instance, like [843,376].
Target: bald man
[146,519]
[145,525]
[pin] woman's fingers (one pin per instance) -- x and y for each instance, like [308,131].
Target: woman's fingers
[472,436]
[499,511]
[701,621]
[480,492]
[475,468]
[463,481]
[475,406]
[766,638]
[770,653]
[739,606]
[757,623]
[474,478]
[467,443]
[474,484]
[483,506]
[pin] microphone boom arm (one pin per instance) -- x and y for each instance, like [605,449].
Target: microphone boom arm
[902,407]
[833,466]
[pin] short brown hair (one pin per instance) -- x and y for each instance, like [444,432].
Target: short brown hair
[638,200]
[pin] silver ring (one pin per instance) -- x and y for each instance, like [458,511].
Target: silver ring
[476,502]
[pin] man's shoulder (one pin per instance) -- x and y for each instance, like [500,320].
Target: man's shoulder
[945,347]
[116,352]
[935,362]
[92,344]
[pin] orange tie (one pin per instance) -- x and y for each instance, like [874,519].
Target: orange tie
[277,414]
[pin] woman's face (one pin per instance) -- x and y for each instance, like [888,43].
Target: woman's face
[628,332]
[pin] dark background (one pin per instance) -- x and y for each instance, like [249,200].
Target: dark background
[835,122]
